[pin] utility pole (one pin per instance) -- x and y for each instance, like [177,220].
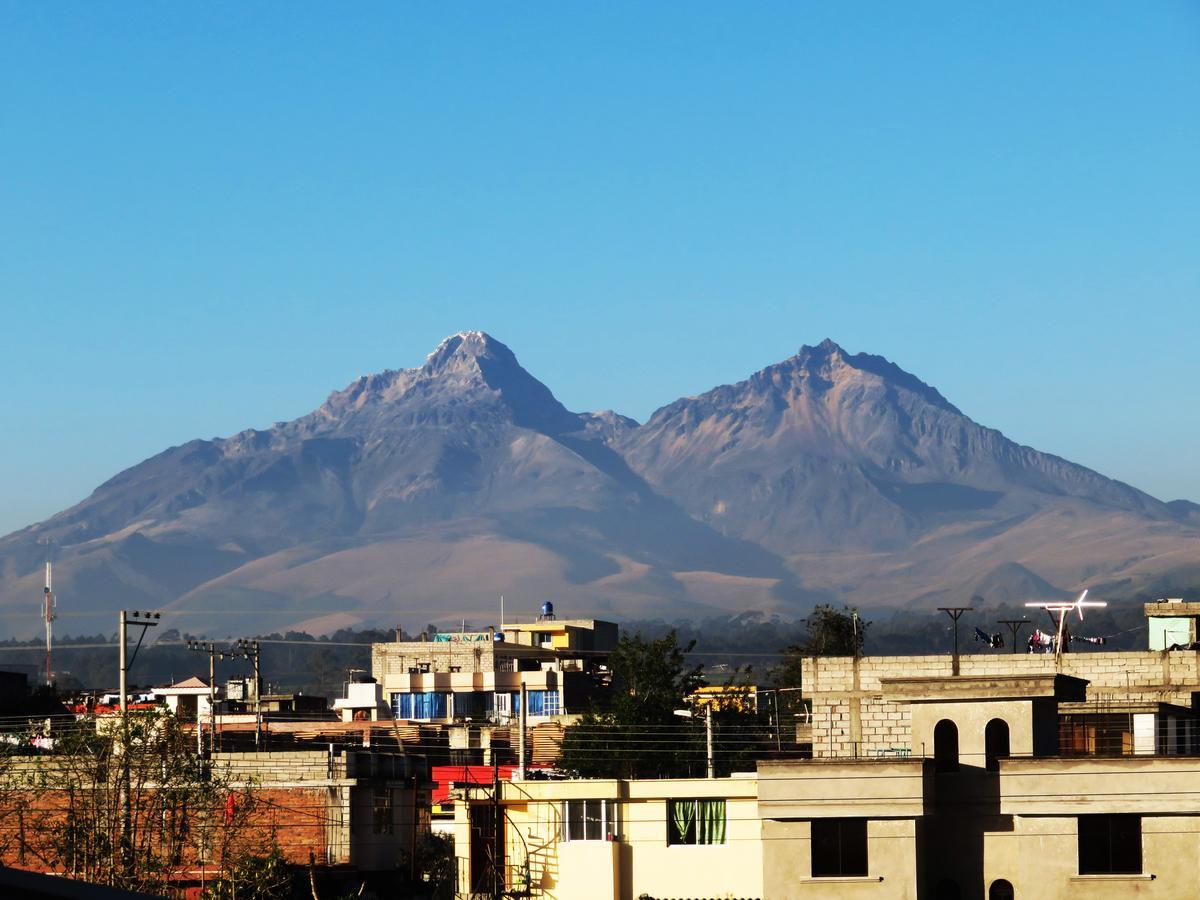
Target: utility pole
[125,619]
[708,734]
[708,740]
[48,616]
[521,733]
[954,612]
[1015,626]
[250,650]
[213,654]
[122,665]
[497,833]
[778,724]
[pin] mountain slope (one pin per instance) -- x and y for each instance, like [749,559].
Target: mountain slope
[424,494]
[826,447]
[466,450]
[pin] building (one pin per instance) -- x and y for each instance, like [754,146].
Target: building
[479,675]
[357,810]
[593,839]
[188,699]
[1013,778]
[363,700]
[1017,776]
[850,715]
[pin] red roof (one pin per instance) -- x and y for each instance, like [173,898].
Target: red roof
[445,776]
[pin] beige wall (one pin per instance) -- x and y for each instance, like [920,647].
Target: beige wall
[891,863]
[1040,857]
[1144,785]
[971,719]
[826,789]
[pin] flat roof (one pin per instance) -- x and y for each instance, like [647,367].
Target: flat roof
[978,688]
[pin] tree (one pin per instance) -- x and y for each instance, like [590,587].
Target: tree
[433,864]
[638,733]
[833,633]
[828,633]
[253,877]
[130,807]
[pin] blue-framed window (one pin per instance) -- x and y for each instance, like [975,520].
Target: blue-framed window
[541,703]
[422,705]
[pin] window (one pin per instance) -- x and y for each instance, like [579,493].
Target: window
[1001,889]
[995,743]
[474,704]
[381,811]
[426,705]
[541,703]
[945,746]
[695,821]
[839,848]
[589,820]
[1110,845]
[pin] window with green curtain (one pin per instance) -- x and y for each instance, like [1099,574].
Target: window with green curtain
[710,814]
[681,817]
[696,821]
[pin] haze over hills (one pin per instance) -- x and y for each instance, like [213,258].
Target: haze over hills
[424,494]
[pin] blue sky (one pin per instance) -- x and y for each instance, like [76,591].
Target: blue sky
[212,215]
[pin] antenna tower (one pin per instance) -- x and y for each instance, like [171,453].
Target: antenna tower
[48,616]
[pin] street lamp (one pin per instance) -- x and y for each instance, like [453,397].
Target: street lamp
[708,733]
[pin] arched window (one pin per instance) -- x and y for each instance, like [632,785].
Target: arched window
[1001,890]
[948,889]
[995,743]
[945,746]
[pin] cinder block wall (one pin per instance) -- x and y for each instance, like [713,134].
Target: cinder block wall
[850,716]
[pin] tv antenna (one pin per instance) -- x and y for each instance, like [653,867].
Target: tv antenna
[1063,609]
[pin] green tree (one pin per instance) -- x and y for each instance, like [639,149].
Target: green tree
[829,632]
[834,633]
[638,733]
[252,876]
[433,864]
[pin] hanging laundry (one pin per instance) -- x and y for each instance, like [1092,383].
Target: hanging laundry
[1040,642]
[994,641]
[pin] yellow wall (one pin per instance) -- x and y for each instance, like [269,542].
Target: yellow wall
[641,861]
[651,866]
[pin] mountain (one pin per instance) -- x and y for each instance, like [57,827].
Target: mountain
[425,494]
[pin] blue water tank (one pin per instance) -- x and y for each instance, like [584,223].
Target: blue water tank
[547,610]
[498,637]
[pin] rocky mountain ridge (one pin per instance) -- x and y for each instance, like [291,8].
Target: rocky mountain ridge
[426,493]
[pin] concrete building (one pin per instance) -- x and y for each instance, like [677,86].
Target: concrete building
[478,675]
[1010,779]
[188,699]
[592,839]
[1019,776]
[852,717]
